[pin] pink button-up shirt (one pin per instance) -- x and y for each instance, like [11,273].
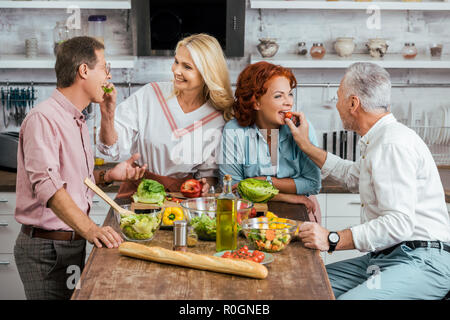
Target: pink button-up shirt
[54,152]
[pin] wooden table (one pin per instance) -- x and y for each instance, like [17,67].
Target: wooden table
[296,273]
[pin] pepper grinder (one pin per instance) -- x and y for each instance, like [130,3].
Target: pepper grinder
[180,235]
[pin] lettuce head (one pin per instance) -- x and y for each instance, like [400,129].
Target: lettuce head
[258,191]
[150,191]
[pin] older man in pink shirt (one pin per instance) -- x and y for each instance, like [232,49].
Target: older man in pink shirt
[54,158]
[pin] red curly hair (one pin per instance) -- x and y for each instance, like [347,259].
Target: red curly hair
[252,85]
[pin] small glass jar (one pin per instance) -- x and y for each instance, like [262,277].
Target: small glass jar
[192,237]
[97,27]
[436,50]
[302,50]
[317,51]
[409,51]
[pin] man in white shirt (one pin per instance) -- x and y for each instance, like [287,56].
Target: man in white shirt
[404,226]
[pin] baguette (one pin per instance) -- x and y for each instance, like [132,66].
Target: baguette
[197,261]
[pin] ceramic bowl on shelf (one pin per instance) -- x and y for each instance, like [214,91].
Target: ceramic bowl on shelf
[377,47]
[267,47]
[344,46]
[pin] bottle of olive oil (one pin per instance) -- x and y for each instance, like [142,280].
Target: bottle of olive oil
[226,220]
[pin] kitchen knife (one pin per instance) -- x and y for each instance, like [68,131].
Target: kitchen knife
[345,144]
[334,142]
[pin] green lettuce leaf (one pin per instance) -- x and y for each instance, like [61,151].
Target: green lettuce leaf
[150,191]
[258,191]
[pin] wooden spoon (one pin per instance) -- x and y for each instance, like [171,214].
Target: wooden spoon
[105,197]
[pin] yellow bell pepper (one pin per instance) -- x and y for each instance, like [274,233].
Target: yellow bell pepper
[172,214]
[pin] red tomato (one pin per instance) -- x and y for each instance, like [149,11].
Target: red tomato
[256,259]
[245,248]
[288,115]
[227,254]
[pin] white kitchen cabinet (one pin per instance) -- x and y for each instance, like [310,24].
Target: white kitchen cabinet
[339,211]
[343,205]
[10,284]
[7,202]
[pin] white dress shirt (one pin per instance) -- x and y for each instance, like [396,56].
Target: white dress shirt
[171,142]
[402,197]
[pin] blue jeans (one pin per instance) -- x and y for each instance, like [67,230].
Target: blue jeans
[405,273]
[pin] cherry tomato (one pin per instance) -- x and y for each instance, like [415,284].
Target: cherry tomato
[256,259]
[288,115]
[227,254]
[245,248]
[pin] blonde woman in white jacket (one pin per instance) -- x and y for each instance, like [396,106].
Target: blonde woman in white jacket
[175,126]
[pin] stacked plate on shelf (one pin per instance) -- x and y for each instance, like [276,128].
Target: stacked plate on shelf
[437,126]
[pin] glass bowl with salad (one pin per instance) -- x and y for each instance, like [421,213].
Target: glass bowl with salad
[269,236]
[139,227]
[201,215]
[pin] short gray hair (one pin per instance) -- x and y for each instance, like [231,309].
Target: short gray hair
[371,84]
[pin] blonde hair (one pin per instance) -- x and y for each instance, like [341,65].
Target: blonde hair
[210,61]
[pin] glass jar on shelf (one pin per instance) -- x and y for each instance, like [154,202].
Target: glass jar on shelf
[302,50]
[317,51]
[60,34]
[409,50]
[97,27]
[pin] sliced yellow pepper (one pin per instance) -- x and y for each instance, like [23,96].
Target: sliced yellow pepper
[172,214]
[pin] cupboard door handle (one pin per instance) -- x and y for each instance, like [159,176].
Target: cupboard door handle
[3,200]
[95,201]
[3,224]
[355,202]
[4,263]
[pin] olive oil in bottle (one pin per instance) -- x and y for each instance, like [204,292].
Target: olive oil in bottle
[226,222]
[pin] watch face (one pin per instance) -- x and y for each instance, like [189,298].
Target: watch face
[333,237]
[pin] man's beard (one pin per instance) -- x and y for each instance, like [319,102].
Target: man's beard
[349,123]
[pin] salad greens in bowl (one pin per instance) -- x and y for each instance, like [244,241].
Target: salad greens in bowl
[139,227]
[201,215]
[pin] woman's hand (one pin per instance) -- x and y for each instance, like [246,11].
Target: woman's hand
[126,170]
[296,199]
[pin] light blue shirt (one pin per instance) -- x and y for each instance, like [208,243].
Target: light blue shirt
[245,154]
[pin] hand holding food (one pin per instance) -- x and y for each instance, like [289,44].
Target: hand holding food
[192,188]
[300,133]
[243,253]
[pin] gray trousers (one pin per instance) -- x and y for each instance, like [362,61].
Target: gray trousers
[49,269]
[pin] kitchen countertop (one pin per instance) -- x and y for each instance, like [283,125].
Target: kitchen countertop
[297,273]
[8,182]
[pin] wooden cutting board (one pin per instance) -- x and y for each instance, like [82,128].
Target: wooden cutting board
[260,207]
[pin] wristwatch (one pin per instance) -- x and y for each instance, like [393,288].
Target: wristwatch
[333,239]
[269,179]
